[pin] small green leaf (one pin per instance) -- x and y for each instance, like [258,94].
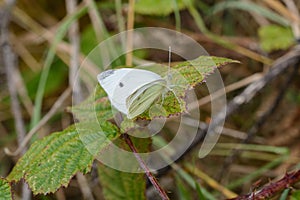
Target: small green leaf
[184,76]
[273,37]
[196,71]
[5,190]
[284,195]
[160,8]
[121,185]
[51,162]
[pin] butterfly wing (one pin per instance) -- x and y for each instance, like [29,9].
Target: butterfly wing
[141,100]
[120,84]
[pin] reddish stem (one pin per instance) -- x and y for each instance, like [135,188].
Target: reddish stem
[143,165]
[270,190]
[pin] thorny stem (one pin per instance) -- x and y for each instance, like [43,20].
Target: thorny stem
[268,191]
[143,165]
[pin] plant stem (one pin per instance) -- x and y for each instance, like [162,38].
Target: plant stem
[143,165]
[130,24]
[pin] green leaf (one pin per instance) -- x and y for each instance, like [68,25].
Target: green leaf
[5,190]
[184,76]
[51,162]
[160,8]
[273,37]
[121,185]
[251,7]
[196,71]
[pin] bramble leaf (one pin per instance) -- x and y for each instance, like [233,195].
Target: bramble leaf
[5,189]
[122,185]
[183,77]
[51,162]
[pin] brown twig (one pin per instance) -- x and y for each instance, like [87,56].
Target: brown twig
[41,123]
[24,54]
[282,63]
[74,83]
[99,28]
[290,4]
[22,91]
[96,20]
[279,7]
[130,25]
[73,35]
[84,186]
[228,88]
[9,62]
[143,165]
[270,190]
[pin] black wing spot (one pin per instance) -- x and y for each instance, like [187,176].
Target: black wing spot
[106,74]
[121,84]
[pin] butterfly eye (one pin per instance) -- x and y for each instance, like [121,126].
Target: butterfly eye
[121,84]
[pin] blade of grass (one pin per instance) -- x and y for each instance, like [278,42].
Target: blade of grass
[63,28]
[177,16]
[190,180]
[199,192]
[101,33]
[120,21]
[211,182]
[257,173]
[284,194]
[282,10]
[255,147]
[182,190]
[120,18]
[250,7]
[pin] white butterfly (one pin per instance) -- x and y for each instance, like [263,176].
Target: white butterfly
[132,91]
